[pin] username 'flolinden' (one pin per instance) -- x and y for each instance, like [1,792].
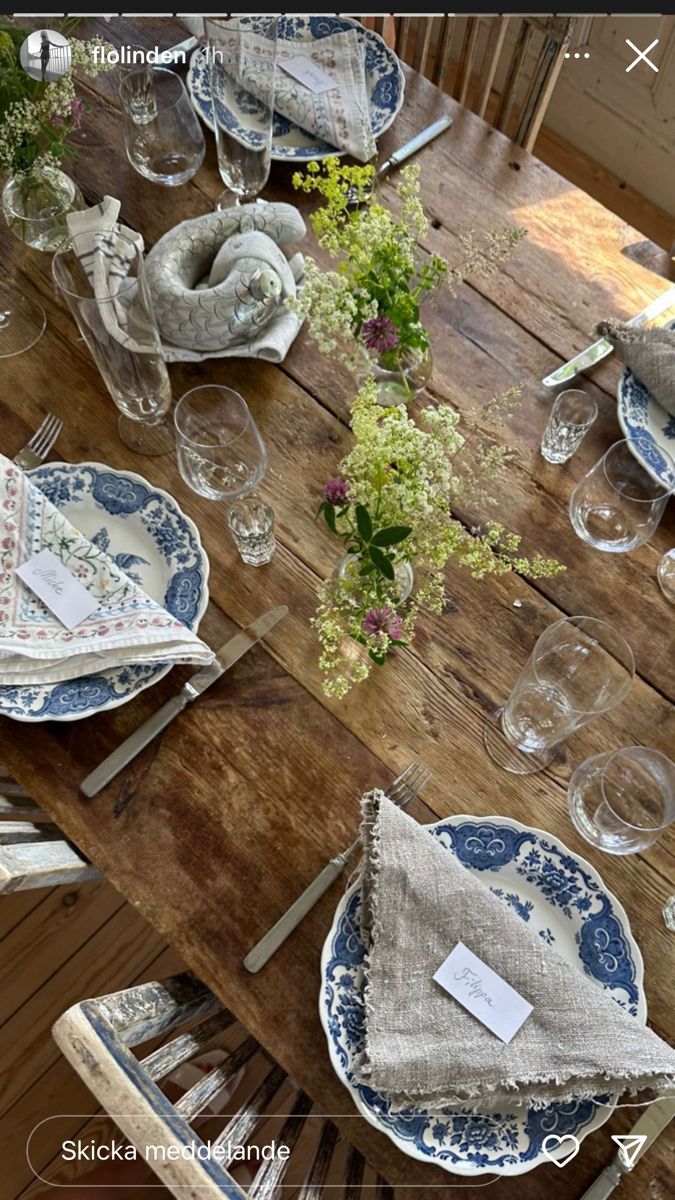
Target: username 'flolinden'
[223,1152]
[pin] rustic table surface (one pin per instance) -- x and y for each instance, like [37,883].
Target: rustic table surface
[216,828]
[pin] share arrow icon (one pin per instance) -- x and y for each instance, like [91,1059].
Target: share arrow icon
[630,1146]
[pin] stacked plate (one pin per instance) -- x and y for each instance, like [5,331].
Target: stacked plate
[560,896]
[144,531]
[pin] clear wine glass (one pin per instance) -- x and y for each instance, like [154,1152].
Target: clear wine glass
[622,801]
[22,321]
[580,668]
[241,57]
[617,505]
[114,315]
[665,573]
[162,134]
[221,454]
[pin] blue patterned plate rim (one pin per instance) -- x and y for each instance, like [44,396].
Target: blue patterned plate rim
[407,1130]
[381,118]
[650,428]
[69,701]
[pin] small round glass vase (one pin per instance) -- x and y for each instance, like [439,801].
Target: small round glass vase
[404,575]
[36,204]
[397,382]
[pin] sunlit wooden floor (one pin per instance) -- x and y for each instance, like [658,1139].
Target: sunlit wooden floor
[61,945]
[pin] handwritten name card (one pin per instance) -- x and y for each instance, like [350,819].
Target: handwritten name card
[53,583]
[483,993]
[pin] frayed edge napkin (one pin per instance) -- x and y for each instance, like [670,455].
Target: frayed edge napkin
[649,354]
[423,1048]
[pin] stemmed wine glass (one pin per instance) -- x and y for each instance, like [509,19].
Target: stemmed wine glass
[580,668]
[22,322]
[241,58]
[221,454]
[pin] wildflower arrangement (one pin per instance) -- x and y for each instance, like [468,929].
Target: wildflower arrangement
[37,118]
[372,300]
[392,503]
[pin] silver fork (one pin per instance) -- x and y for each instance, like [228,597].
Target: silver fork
[37,448]
[402,791]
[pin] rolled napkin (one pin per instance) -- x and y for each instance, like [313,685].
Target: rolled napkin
[337,114]
[649,354]
[422,1047]
[128,627]
[218,283]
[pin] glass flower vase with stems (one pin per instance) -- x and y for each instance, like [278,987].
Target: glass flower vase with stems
[114,315]
[36,203]
[399,375]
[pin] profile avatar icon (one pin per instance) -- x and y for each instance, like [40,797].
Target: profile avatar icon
[45,55]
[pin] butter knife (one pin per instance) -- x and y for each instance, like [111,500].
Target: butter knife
[600,349]
[225,658]
[420,139]
[652,1122]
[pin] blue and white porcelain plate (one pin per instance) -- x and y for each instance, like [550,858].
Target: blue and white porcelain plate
[559,896]
[650,428]
[384,80]
[144,531]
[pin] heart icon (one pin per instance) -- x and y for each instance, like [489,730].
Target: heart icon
[553,1142]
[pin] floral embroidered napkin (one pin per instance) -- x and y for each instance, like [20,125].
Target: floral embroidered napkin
[649,354]
[340,115]
[422,1047]
[128,627]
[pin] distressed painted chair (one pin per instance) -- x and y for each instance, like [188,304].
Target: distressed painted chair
[33,851]
[97,1037]
[428,45]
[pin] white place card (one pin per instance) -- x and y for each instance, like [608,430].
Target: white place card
[63,594]
[308,73]
[483,993]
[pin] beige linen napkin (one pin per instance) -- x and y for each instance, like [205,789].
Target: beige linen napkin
[649,354]
[424,1048]
[127,628]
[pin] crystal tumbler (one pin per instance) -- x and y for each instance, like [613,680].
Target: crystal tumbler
[571,417]
[251,523]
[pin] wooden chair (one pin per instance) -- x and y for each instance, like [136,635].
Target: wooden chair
[426,43]
[33,851]
[96,1037]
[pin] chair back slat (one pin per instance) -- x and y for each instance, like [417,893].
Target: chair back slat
[549,64]
[272,1172]
[181,1049]
[354,1174]
[14,806]
[494,45]
[41,864]
[466,61]
[424,27]
[313,1188]
[200,1094]
[152,1009]
[444,52]
[22,833]
[239,1129]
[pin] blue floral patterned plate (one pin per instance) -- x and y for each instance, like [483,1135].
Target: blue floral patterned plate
[384,80]
[148,536]
[563,899]
[650,427]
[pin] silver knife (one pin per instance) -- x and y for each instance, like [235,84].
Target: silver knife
[600,349]
[178,53]
[420,139]
[228,654]
[652,1122]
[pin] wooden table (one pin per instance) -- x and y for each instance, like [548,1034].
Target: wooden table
[231,813]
